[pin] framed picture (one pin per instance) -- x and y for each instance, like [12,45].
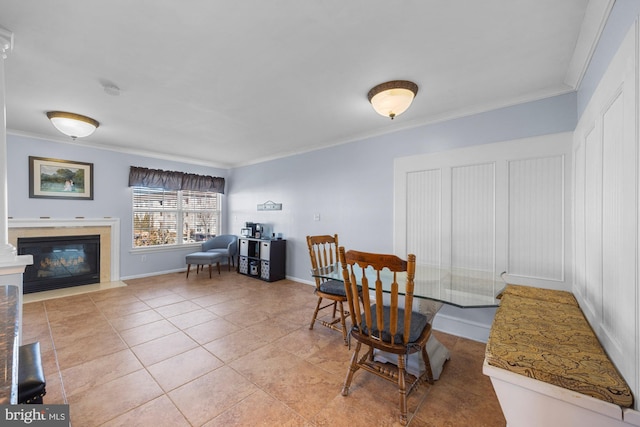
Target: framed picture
[60,179]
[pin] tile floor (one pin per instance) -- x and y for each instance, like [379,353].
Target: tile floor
[232,350]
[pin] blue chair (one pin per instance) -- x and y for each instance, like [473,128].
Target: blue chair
[224,244]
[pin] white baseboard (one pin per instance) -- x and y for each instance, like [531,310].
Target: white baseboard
[155,273]
[461,327]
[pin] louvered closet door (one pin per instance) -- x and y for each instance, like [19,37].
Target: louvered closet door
[473,205]
[423,215]
[536,218]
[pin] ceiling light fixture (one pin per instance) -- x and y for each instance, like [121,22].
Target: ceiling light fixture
[392,98]
[73,125]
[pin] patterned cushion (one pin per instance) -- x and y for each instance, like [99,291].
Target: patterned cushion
[540,294]
[552,341]
[418,323]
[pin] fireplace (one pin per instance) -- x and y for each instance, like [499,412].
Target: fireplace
[60,261]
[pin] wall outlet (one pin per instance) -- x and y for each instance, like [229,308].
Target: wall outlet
[143,258]
[316,217]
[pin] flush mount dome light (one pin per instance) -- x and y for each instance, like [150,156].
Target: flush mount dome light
[73,125]
[392,98]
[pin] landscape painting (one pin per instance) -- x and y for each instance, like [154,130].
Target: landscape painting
[60,179]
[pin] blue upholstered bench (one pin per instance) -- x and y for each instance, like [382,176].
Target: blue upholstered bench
[203,258]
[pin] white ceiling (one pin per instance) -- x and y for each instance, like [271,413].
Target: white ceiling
[228,83]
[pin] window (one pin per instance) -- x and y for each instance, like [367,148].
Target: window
[173,217]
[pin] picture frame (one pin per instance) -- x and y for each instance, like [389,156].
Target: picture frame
[60,179]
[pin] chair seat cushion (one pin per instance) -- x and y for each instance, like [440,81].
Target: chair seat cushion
[202,257]
[222,251]
[333,287]
[418,322]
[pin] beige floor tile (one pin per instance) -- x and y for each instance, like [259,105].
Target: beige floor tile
[68,315]
[264,364]
[254,363]
[159,412]
[216,297]
[109,300]
[193,291]
[152,292]
[235,345]
[116,295]
[32,332]
[190,398]
[115,311]
[450,405]
[177,308]
[33,310]
[88,348]
[304,342]
[162,348]
[228,307]
[247,317]
[193,318]
[305,388]
[211,330]
[89,375]
[184,367]
[65,334]
[333,358]
[112,399]
[164,300]
[259,409]
[130,321]
[463,366]
[358,409]
[49,360]
[55,390]
[148,332]
[272,330]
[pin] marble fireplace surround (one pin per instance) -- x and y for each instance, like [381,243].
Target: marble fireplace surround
[107,228]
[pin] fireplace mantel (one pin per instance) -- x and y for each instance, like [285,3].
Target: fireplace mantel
[74,226]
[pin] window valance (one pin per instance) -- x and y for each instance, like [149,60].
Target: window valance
[171,180]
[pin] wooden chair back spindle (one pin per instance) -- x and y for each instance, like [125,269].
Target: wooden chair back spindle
[323,253]
[386,321]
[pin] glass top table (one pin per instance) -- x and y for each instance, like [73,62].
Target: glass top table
[464,288]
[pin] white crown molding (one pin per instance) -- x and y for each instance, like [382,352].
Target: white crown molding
[593,24]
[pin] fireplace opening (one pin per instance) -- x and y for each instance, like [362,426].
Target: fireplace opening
[60,261]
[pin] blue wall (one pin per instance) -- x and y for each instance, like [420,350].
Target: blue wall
[349,186]
[112,196]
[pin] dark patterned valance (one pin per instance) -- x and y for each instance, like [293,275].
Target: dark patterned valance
[195,182]
[171,180]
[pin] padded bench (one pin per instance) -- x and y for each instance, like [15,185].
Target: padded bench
[31,380]
[547,365]
[203,258]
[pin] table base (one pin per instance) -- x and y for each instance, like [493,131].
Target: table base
[438,354]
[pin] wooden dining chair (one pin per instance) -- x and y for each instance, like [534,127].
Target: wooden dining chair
[384,323]
[323,251]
